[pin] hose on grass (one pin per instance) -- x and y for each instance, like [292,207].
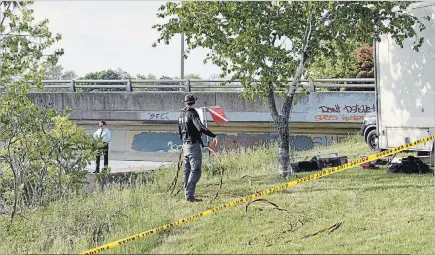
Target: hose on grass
[222,170]
[175,180]
[327,230]
[179,165]
[266,201]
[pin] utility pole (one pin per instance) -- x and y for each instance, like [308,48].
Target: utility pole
[182,57]
[1,38]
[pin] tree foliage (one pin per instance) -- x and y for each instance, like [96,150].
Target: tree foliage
[42,153]
[341,64]
[365,62]
[167,81]
[56,72]
[108,74]
[356,61]
[190,76]
[22,44]
[266,43]
[149,76]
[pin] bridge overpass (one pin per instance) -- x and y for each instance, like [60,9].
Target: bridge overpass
[143,123]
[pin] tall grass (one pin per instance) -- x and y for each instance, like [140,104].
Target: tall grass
[381,213]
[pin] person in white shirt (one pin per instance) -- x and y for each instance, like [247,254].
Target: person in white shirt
[103,133]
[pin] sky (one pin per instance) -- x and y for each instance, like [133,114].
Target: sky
[98,35]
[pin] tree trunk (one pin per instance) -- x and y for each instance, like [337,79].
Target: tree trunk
[14,208]
[284,147]
[283,123]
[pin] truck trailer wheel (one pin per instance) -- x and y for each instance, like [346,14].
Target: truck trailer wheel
[373,140]
[432,156]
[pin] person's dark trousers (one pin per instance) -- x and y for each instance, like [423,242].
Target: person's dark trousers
[106,158]
[192,168]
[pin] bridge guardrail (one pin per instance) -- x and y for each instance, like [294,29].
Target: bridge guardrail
[187,85]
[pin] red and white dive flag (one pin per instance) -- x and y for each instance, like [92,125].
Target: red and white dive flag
[217,114]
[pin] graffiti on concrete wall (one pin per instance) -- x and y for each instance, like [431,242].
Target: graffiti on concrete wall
[173,147]
[352,118]
[330,109]
[156,142]
[348,108]
[359,108]
[343,113]
[170,141]
[157,116]
[343,118]
[241,140]
[325,117]
[326,140]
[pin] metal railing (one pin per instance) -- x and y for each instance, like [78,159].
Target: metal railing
[192,85]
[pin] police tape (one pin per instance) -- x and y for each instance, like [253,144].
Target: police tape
[259,194]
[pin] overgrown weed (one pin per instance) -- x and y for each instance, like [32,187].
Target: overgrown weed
[381,213]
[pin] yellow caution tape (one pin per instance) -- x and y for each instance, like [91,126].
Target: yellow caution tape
[259,194]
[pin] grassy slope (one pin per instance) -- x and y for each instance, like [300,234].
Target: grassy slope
[381,213]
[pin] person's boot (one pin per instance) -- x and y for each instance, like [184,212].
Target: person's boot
[193,199]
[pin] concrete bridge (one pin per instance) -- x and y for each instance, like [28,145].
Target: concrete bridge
[143,124]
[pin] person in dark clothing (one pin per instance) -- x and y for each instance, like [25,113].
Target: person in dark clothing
[190,130]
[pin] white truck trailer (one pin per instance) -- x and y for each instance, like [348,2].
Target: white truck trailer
[405,87]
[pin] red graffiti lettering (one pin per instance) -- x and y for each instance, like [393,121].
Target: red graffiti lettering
[325,117]
[352,118]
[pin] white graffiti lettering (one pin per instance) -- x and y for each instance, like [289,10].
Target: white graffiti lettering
[172,147]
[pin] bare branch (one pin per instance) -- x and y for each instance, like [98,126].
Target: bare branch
[304,57]
[4,16]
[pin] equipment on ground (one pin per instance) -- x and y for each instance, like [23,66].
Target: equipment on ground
[319,163]
[409,165]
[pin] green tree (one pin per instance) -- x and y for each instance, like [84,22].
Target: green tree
[42,153]
[108,74]
[150,76]
[190,76]
[167,83]
[355,61]
[69,75]
[340,64]
[264,44]
[56,72]
[146,78]
[365,62]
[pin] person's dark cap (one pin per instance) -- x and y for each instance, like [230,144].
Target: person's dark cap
[189,98]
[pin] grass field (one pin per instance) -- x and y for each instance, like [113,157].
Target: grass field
[379,213]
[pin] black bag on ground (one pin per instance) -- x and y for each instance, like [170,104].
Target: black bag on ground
[306,166]
[410,165]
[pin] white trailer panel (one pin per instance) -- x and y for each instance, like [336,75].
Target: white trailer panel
[405,86]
